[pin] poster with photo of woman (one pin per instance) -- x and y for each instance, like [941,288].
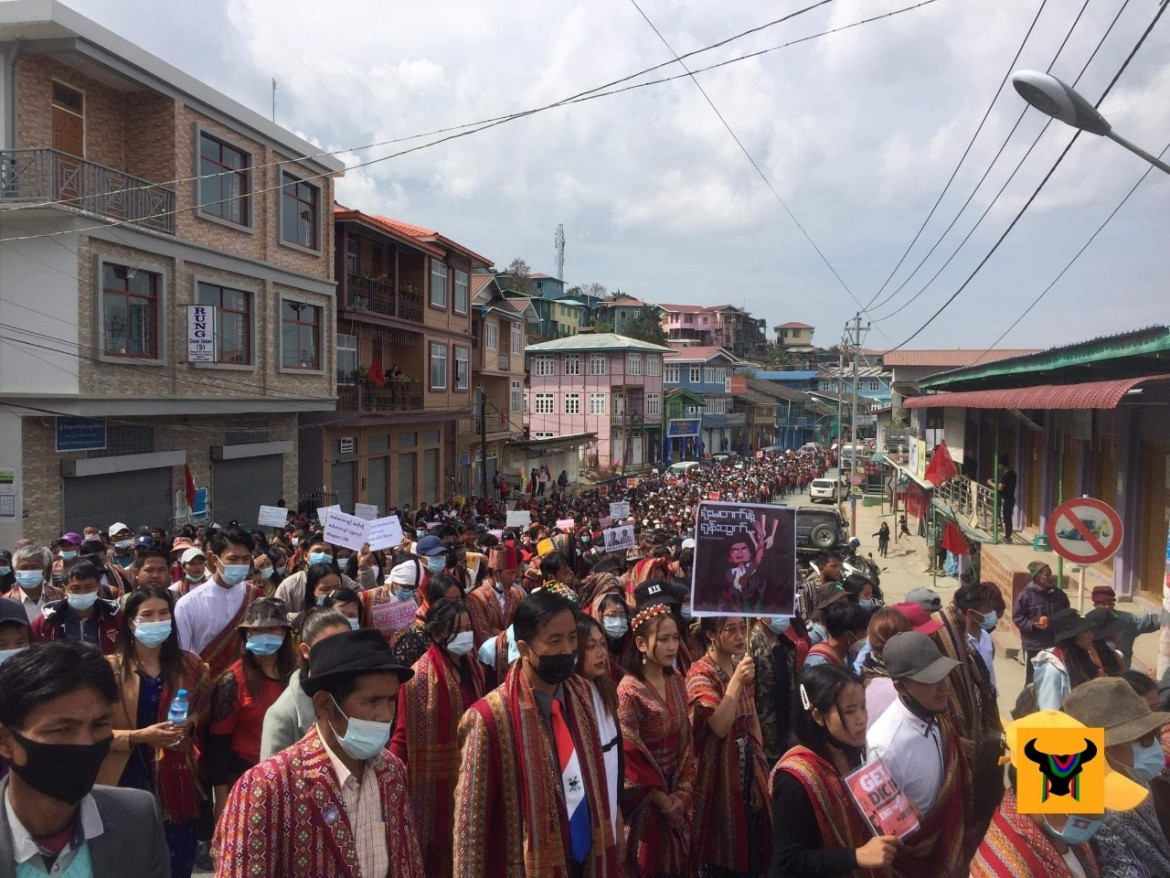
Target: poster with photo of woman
[745,560]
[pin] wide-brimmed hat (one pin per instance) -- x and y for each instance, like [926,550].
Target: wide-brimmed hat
[911,655]
[920,620]
[1121,793]
[266,613]
[1105,622]
[349,654]
[1110,703]
[1067,623]
[180,544]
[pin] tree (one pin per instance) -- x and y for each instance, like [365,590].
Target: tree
[645,326]
[771,355]
[518,277]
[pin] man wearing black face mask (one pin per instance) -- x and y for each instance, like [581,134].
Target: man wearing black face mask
[531,746]
[55,730]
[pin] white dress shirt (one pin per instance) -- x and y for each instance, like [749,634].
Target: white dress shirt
[201,614]
[912,751]
[32,608]
[363,807]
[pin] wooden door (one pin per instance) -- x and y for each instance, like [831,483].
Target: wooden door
[68,120]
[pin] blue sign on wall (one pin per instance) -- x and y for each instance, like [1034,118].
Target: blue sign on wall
[199,509]
[679,427]
[81,434]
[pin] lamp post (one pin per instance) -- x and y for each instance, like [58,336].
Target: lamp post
[1052,97]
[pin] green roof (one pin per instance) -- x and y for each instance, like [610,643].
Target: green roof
[595,341]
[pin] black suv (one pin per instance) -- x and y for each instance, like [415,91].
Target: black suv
[820,530]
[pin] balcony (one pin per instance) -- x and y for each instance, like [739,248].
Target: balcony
[970,501]
[371,399]
[496,423]
[31,176]
[378,296]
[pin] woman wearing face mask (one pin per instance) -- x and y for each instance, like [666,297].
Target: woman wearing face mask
[243,695]
[401,584]
[730,817]
[7,579]
[447,680]
[347,602]
[817,830]
[846,624]
[879,688]
[660,761]
[292,588]
[148,752]
[416,639]
[1067,664]
[594,664]
[613,615]
[321,580]
[778,647]
[264,574]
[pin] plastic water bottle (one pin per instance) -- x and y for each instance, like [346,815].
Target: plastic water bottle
[177,714]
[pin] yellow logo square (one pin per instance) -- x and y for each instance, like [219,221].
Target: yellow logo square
[1060,771]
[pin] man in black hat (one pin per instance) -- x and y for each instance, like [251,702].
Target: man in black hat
[338,797]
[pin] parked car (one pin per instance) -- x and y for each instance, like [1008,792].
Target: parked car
[683,467]
[818,530]
[828,490]
[723,456]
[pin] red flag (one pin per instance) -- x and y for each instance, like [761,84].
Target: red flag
[190,486]
[941,467]
[917,500]
[374,374]
[953,540]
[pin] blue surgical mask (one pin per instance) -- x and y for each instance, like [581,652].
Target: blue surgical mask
[404,594]
[436,563]
[355,624]
[363,738]
[1148,762]
[280,570]
[686,613]
[461,643]
[67,556]
[264,644]
[779,624]
[1077,830]
[265,572]
[816,632]
[6,654]
[615,626]
[320,558]
[123,545]
[586,539]
[152,634]
[234,574]
[321,598]
[5,570]
[29,578]
[82,602]
[989,621]
[294,541]
[866,603]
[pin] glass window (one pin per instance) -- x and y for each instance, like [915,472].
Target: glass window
[653,364]
[597,364]
[634,364]
[517,339]
[438,283]
[572,364]
[462,287]
[233,331]
[572,403]
[300,216]
[225,180]
[491,334]
[544,403]
[347,358]
[696,374]
[407,440]
[300,338]
[597,403]
[517,397]
[653,404]
[462,370]
[432,437]
[671,374]
[542,365]
[438,367]
[708,374]
[130,312]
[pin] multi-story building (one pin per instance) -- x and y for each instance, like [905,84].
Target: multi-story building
[601,384]
[404,361]
[721,326]
[166,287]
[619,310]
[795,336]
[708,371]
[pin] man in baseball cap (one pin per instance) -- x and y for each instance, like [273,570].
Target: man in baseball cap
[925,598]
[1132,624]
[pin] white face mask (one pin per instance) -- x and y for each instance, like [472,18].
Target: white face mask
[461,643]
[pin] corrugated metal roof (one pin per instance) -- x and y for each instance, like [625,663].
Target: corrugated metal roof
[1089,395]
[952,358]
[595,341]
[795,326]
[698,353]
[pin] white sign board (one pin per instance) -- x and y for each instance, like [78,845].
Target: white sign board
[272,516]
[619,510]
[384,533]
[200,334]
[619,538]
[354,533]
[323,513]
[519,518]
[566,525]
[365,510]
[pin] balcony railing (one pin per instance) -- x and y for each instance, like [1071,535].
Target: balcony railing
[496,423]
[378,295]
[34,175]
[970,500]
[369,398]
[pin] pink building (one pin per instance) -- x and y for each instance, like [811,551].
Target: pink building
[602,384]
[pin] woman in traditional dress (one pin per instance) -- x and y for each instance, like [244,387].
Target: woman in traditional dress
[660,764]
[731,817]
[846,624]
[149,753]
[593,664]
[447,680]
[416,639]
[817,830]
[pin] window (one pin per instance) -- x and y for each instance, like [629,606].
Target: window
[544,403]
[572,364]
[353,254]
[438,367]
[708,375]
[721,376]
[784,333]
[225,181]
[542,365]
[572,403]
[462,372]
[438,284]
[634,364]
[526,409]
[130,312]
[873,384]
[233,331]
[491,336]
[542,435]
[619,405]
[671,374]
[517,397]
[300,335]
[461,291]
[653,404]
[517,339]
[347,358]
[597,364]
[597,403]
[696,374]
[300,212]
[653,365]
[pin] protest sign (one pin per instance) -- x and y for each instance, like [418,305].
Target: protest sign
[603,490]
[365,510]
[566,525]
[619,510]
[619,538]
[881,801]
[354,533]
[392,617]
[323,513]
[631,483]
[714,495]
[519,518]
[745,560]
[272,516]
[384,533]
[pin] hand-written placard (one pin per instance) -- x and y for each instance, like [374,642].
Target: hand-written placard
[618,538]
[365,510]
[323,513]
[880,800]
[272,516]
[566,525]
[519,518]
[605,522]
[354,533]
[393,616]
[384,533]
[619,510]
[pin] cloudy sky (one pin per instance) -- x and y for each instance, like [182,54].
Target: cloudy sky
[857,131]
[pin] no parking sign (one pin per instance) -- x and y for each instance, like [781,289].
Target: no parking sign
[1085,530]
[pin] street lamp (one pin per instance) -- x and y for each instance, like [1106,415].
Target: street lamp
[1052,97]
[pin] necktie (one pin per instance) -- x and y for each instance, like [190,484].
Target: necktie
[580,832]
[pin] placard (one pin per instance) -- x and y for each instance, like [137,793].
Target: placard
[714,495]
[384,533]
[392,617]
[745,560]
[346,530]
[603,490]
[323,513]
[365,510]
[519,518]
[619,538]
[272,516]
[883,804]
[566,525]
[619,510]
[605,522]
[632,483]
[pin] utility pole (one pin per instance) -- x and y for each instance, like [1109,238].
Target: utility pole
[855,343]
[482,442]
[840,374]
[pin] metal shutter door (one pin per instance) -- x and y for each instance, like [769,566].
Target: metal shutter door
[137,498]
[240,487]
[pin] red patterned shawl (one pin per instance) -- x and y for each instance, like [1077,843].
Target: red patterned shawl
[1014,847]
[227,648]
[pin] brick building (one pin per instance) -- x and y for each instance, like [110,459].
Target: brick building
[128,192]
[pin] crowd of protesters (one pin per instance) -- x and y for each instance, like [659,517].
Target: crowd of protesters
[486,700]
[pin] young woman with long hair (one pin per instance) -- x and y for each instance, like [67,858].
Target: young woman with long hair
[593,664]
[1068,663]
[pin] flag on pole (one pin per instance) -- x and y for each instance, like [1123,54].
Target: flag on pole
[941,467]
[375,375]
[190,485]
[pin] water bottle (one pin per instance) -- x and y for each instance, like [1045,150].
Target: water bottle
[177,714]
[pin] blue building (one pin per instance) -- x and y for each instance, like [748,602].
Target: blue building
[709,372]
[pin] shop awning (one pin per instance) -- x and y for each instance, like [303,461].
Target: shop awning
[1089,395]
[553,444]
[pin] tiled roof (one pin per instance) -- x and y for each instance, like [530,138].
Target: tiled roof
[418,233]
[595,341]
[389,227]
[691,309]
[700,353]
[795,326]
[1089,395]
[948,358]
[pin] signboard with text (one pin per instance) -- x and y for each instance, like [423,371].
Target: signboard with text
[200,334]
[678,427]
[81,434]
